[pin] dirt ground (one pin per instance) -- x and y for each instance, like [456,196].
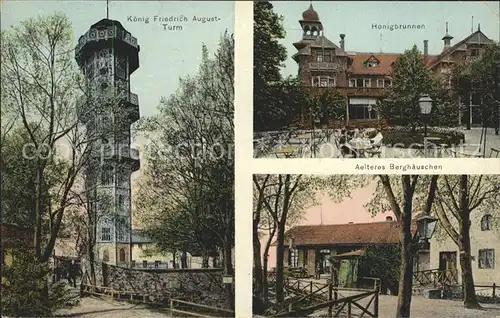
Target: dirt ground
[94,307]
[436,308]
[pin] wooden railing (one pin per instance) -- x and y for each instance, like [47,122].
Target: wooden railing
[343,307]
[196,310]
[329,296]
[115,294]
[435,277]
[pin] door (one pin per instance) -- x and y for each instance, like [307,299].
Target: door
[448,261]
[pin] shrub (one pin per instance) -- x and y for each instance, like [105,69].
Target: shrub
[23,284]
[405,135]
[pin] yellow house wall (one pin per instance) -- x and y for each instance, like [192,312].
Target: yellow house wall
[479,240]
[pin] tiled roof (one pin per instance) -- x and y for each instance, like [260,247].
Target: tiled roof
[384,68]
[387,232]
[476,37]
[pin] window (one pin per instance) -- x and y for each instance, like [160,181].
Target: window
[105,256]
[144,264]
[294,258]
[387,83]
[305,258]
[323,81]
[106,234]
[121,202]
[107,175]
[486,223]
[474,52]
[352,83]
[372,63]
[122,255]
[157,264]
[487,258]
[380,83]
[319,57]
[120,235]
[327,56]
[367,82]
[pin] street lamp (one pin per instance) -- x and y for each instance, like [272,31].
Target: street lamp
[425,103]
[426,225]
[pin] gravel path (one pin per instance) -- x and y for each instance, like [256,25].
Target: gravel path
[436,308]
[94,307]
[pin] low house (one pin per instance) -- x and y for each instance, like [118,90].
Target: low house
[485,249]
[312,247]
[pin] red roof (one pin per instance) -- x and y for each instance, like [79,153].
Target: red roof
[387,232]
[384,68]
[386,61]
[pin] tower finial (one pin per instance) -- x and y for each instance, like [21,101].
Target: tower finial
[446,27]
[107,9]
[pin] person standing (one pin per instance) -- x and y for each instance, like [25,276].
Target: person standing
[72,273]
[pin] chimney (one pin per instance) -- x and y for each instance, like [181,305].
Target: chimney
[426,51]
[342,42]
[388,218]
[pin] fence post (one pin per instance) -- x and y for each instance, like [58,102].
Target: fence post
[330,306]
[349,309]
[171,304]
[493,294]
[375,304]
[311,287]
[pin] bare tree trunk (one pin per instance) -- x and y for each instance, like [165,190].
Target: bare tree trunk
[280,251]
[205,260]
[266,262]
[257,268]
[470,299]
[184,260]
[228,270]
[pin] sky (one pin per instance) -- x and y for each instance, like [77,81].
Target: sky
[330,212]
[164,55]
[355,20]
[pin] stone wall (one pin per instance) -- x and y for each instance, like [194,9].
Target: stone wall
[202,286]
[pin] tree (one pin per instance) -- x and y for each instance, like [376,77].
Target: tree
[285,198]
[187,190]
[269,56]
[411,79]
[481,77]
[458,197]
[327,104]
[401,195]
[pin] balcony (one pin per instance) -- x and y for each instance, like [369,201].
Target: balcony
[118,152]
[367,92]
[85,108]
[324,66]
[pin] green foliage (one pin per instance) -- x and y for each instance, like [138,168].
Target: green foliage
[187,188]
[328,105]
[406,137]
[269,56]
[23,284]
[411,79]
[482,77]
[382,261]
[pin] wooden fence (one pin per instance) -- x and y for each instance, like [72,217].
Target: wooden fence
[331,297]
[195,310]
[435,277]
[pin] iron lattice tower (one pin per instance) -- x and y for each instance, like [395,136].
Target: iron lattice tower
[108,54]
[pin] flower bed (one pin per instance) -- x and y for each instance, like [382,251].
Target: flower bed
[405,136]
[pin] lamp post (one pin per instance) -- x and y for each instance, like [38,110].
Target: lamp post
[426,225]
[425,103]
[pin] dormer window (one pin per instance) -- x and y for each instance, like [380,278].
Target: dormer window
[372,63]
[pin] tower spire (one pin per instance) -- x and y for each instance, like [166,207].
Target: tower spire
[107,9]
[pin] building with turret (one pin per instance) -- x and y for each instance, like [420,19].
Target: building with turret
[108,54]
[363,77]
